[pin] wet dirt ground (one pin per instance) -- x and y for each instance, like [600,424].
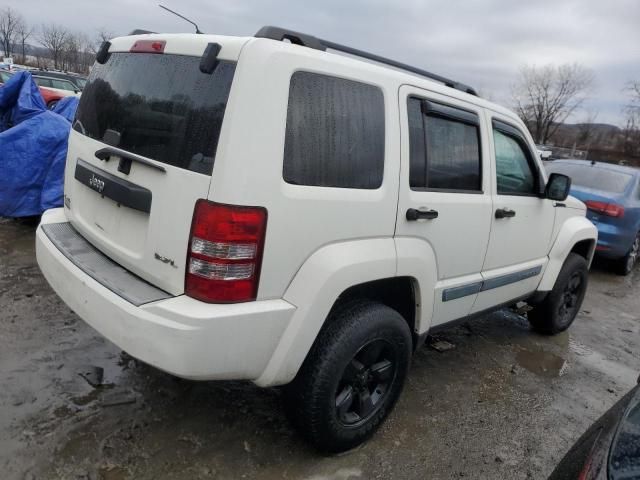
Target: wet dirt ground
[504,403]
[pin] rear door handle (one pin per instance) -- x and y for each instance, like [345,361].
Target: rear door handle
[414,214]
[505,213]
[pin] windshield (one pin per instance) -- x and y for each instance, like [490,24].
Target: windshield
[81,82]
[159,106]
[593,177]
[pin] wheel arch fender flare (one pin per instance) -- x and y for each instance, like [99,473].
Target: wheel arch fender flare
[417,260]
[573,231]
[324,275]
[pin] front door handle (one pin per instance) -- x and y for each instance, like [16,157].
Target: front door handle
[505,213]
[414,214]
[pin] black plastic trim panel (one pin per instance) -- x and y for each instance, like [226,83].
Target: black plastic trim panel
[472,288]
[117,189]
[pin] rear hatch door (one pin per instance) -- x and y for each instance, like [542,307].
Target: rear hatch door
[142,149]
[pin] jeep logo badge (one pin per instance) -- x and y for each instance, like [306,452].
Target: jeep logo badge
[96,183]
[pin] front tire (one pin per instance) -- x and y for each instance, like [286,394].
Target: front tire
[352,377]
[559,309]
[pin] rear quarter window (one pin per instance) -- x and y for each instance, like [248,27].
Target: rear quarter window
[159,106]
[335,133]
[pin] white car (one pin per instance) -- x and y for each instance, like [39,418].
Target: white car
[250,208]
[59,85]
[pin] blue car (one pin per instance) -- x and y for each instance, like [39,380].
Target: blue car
[612,195]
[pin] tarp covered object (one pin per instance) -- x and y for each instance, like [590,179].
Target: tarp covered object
[33,149]
[67,107]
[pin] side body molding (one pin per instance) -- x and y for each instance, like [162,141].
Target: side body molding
[321,279]
[573,230]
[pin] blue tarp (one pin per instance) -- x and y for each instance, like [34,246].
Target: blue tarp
[33,148]
[67,107]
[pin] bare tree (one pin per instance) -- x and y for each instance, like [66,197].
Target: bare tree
[24,31]
[9,23]
[631,131]
[544,97]
[103,35]
[71,52]
[586,130]
[54,38]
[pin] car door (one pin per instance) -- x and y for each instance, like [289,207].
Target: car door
[522,220]
[444,196]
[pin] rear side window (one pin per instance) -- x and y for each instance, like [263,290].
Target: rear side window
[444,148]
[335,133]
[62,84]
[158,106]
[43,82]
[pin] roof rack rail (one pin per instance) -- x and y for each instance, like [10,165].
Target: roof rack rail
[297,38]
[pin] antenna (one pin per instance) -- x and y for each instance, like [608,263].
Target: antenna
[181,16]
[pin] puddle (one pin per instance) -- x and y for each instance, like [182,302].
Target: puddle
[544,364]
[113,473]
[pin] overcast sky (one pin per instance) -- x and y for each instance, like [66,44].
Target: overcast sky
[479,42]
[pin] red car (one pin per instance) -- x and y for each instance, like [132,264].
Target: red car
[49,96]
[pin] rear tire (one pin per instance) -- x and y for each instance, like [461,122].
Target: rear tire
[626,263]
[351,378]
[558,310]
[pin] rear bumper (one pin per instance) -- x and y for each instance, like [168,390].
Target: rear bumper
[179,335]
[614,241]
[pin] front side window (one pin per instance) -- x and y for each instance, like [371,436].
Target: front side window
[444,148]
[514,173]
[335,133]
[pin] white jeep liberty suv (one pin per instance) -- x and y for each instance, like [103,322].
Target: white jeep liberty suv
[260,209]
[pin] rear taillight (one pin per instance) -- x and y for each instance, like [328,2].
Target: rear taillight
[608,209]
[225,252]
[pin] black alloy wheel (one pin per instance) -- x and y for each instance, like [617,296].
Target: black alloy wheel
[571,297]
[365,382]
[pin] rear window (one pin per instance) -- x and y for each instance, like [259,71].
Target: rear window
[158,106]
[335,133]
[593,177]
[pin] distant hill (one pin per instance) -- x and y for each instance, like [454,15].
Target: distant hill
[598,141]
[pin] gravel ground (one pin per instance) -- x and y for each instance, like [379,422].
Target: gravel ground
[504,403]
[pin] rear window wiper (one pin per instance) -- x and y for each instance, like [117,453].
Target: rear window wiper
[107,152]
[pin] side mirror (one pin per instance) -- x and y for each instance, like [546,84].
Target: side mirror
[557,187]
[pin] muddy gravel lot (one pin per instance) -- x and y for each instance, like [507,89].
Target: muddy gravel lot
[504,403]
